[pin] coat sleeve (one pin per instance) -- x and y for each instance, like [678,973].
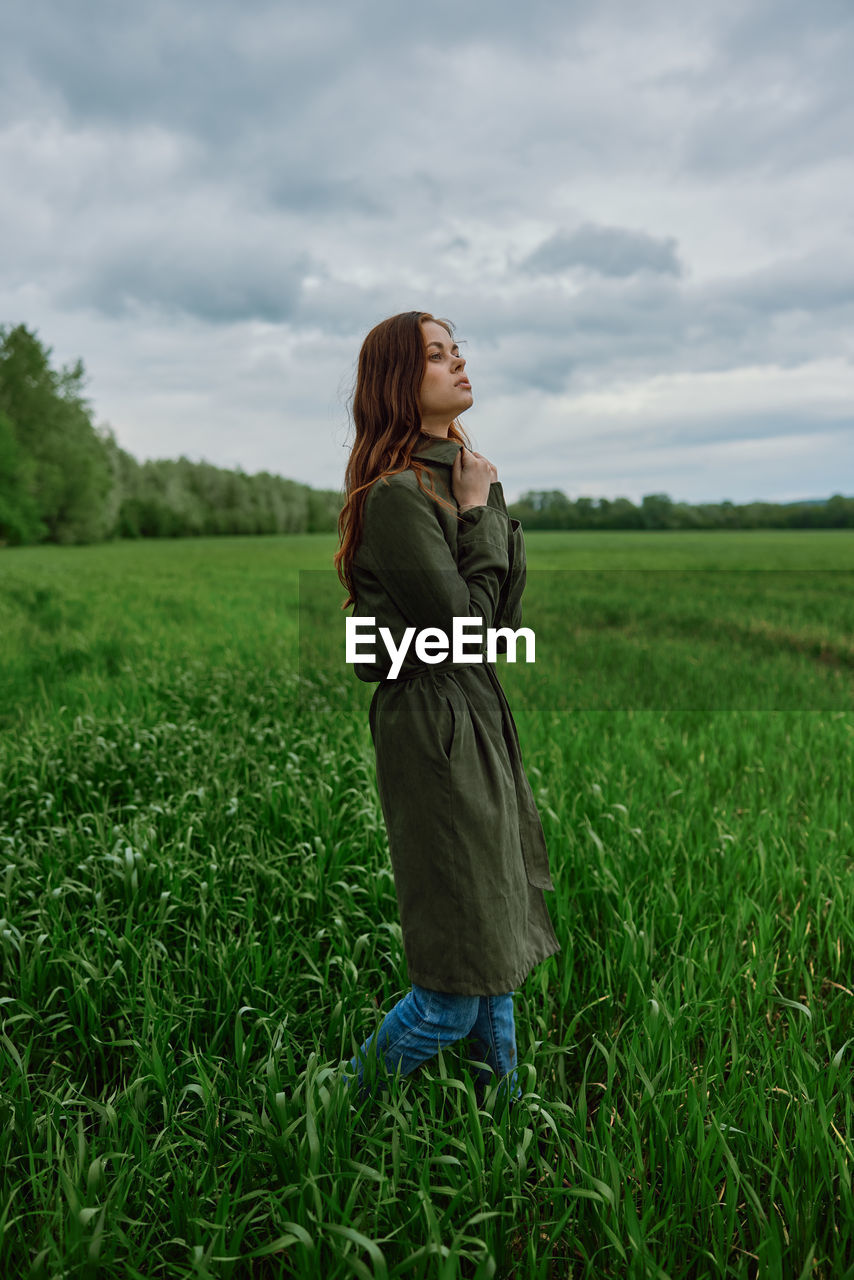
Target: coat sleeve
[510,606]
[509,611]
[404,546]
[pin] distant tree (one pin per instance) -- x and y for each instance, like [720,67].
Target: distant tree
[545,509]
[19,516]
[684,516]
[124,470]
[839,512]
[727,515]
[552,509]
[657,511]
[584,513]
[324,506]
[70,478]
[623,514]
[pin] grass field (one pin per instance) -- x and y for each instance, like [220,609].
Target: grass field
[199,925]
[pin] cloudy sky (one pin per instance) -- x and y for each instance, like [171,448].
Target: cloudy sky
[639,214]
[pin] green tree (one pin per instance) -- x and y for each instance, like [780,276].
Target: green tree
[19,516]
[125,471]
[623,514]
[324,506]
[839,512]
[657,511]
[69,470]
[585,512]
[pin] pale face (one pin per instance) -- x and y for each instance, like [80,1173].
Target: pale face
[445,390]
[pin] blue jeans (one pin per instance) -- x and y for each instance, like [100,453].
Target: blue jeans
[425,1021]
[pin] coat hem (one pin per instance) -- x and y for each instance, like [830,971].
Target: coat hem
[493,987]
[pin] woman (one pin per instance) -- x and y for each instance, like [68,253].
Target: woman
[425,538]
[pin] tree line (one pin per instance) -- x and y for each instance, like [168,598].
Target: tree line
[552,509]
[65,480]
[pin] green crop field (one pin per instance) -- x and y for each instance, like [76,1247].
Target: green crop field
[199,924]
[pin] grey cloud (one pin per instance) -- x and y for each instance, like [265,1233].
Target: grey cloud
[770,30]
[774,96]
[320,196]
[621,330]
[610,251]
[818,282]
[214,69]
[176,280]
[205,69]
[773,133]
[727,428]
[317,168]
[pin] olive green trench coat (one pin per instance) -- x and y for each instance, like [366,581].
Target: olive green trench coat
[466,842]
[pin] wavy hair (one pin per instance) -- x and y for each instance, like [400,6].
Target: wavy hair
[387,418]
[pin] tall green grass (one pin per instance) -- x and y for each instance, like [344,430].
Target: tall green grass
[199,927]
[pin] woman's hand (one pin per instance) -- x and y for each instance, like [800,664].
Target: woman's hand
[471,477]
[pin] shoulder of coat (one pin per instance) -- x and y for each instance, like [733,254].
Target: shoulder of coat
[400,480]
[406,478]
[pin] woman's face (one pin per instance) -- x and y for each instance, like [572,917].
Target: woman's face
[445,390]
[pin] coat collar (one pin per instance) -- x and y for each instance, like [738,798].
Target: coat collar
[437,450]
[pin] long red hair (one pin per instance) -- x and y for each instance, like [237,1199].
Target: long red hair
[387,418]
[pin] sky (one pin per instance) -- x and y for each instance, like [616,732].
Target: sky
[638,215]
